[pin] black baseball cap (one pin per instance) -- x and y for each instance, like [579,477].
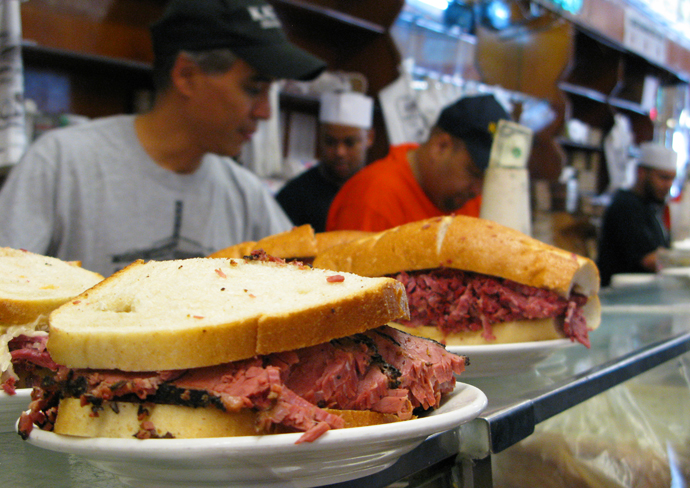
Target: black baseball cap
[474,120]
[249,28]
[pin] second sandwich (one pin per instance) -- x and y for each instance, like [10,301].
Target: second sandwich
[472,281]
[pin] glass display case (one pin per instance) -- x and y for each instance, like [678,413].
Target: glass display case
[644,325]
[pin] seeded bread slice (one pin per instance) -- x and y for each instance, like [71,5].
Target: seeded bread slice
[200,312]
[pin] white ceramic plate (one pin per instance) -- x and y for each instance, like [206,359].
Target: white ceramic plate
[682,273]
[266,461]
[11,407]
[505,359]
[631,279]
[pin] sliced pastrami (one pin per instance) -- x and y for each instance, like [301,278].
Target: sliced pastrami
[384,370]
[457,301]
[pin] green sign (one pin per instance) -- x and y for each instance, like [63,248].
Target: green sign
[572,6]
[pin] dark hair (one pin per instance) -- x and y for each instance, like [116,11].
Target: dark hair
[211,62]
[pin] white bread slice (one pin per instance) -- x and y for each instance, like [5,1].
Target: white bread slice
[201,312]
[469,244]
[122,419]
[33,285]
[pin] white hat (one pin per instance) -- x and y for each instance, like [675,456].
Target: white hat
[346,108]
[656,156]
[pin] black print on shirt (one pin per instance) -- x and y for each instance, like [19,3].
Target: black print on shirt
[173,247]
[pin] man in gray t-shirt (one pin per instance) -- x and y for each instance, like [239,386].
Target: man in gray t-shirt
[163,185]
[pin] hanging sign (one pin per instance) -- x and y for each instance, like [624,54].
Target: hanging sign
[12,123]
[644,37]
[571,6]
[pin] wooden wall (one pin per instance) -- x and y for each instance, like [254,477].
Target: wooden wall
[89,58]
[532,60]
[93,57]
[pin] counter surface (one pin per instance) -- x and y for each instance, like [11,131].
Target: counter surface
[642,326]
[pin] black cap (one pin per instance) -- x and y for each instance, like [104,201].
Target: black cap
[474,120]
[249,28]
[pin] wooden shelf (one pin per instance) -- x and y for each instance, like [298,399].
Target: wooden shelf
[628,106]
[583,91]
[300,103]
[595,66]
[350,36]
[327,14]
[71,60]
[598,97]
[568,144]
[605,80]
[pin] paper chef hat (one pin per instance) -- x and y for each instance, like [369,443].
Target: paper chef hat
[656,156]
[346,108]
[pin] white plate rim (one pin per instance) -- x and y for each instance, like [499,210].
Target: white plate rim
[167,449]
[621,280]
[507,359]
[11,407]
[20,393]
[513,347]
[679,271]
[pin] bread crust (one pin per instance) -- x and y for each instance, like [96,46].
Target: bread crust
[33,285]
[181,422]
[326,240]
[469,244]
[298,242]
[201,312]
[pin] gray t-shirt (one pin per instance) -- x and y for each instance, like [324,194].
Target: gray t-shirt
[91,193]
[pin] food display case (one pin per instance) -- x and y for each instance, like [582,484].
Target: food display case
[644,324]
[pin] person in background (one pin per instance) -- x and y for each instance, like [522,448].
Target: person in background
[443,175]
[345,136]
[633,228]
[162,185]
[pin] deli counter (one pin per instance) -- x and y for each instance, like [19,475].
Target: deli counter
[645,327]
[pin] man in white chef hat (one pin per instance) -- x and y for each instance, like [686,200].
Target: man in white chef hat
[634,228]
[345,136]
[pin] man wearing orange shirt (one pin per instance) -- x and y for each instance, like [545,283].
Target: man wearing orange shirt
[443,175]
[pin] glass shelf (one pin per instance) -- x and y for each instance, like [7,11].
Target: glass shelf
[643,326]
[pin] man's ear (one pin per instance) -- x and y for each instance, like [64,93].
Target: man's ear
[441,142]
[371,135]
[183,74]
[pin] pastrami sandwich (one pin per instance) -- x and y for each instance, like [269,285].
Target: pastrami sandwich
[222,347]
[32,286]
[472,281]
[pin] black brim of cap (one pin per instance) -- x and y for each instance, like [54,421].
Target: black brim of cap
[282,61]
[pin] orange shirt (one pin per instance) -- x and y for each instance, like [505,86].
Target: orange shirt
[386,194]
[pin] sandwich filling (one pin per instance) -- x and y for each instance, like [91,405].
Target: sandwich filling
[456,301]
[383,370]
[23,357]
